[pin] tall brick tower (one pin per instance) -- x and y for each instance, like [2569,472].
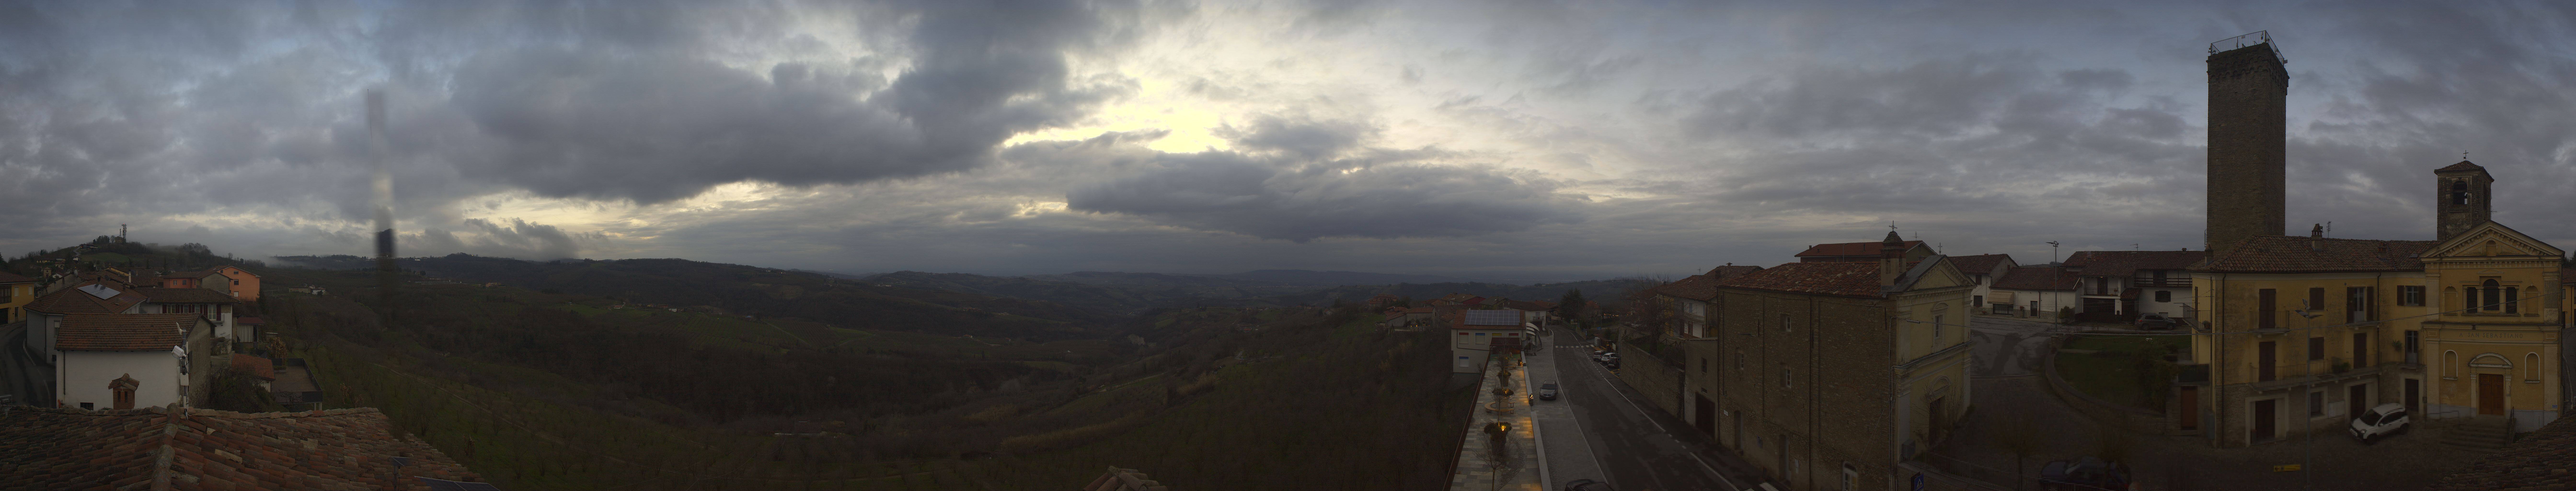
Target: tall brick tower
[2248,113]
[2468,198]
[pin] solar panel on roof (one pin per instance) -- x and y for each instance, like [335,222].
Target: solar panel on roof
[447,485]
[100,291]
[1493,318]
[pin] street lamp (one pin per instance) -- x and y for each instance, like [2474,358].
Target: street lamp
[2307,464]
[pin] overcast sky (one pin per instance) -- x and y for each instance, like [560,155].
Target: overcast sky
[1512,140]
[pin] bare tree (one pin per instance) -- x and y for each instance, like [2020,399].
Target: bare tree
[2020,439]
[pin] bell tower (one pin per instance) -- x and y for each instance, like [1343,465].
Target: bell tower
[2248,118]
[2468,199]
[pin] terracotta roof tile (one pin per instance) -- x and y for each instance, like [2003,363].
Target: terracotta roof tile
[47,448]
[2463,165]
[1850,279]
[2127,263]
[1731,271]
[2279,253]
[2036,278]
[74,301]
[1978,264]
[1852,248]
[189,274]
[7,278]
[2539,460]
[1695,287]
[255,366]
[185,295]
[124,332]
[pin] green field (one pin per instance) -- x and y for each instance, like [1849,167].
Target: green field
[2107,367]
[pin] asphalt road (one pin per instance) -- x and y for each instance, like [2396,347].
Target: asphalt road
[1639,447]
[23,375]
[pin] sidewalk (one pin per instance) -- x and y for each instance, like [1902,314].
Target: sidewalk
[1568,449]
[1518,470]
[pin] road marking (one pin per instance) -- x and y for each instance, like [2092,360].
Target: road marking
[1668,434]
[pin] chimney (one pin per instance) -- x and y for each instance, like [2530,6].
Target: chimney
[2317,238]
[1891,259]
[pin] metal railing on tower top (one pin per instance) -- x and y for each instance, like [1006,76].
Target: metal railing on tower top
[2249,39]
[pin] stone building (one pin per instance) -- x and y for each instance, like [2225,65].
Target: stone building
[2307,331]
[1828,374]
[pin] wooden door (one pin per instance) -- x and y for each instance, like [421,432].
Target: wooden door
[2263,419]
[2266,359]
[2414,391]
[2490,394]
[1705,415]
[2357,401]
[2190,406]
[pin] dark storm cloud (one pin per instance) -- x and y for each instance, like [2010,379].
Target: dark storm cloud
[138,111]
[505,238]
[665,125]
[1305,193]
[1975,132]
[1299,135]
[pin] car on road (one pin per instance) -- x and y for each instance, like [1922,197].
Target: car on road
[2085,474]
[1613,364]
[1547,391]
[2380,422]
[1604,356]
[1586,485]
[2155,321]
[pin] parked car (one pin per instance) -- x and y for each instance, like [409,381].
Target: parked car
[1586,485]
[2085,474]
[1605,356]
[2380,422]
[1613,364]
[1547,391]
[2155,321]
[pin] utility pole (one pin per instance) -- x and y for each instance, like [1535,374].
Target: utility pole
[2056,270]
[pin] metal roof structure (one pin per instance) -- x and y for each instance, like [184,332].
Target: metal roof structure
[97,290]
[1493,318]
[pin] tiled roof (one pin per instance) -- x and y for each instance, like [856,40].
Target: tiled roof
[2463,165]
[2127,263]
[1853,248]
[1850,279]
[48,448]
[185,295]
[2287,254]
[1696,287]
[255,366]
[124,332]
[74,301]
[189,274]
[2036,278]
[237,270]
[1978,264]
[7,278]
[2539,460]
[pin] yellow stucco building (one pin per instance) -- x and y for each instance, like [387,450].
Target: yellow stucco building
[15,292]
[2305,332]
